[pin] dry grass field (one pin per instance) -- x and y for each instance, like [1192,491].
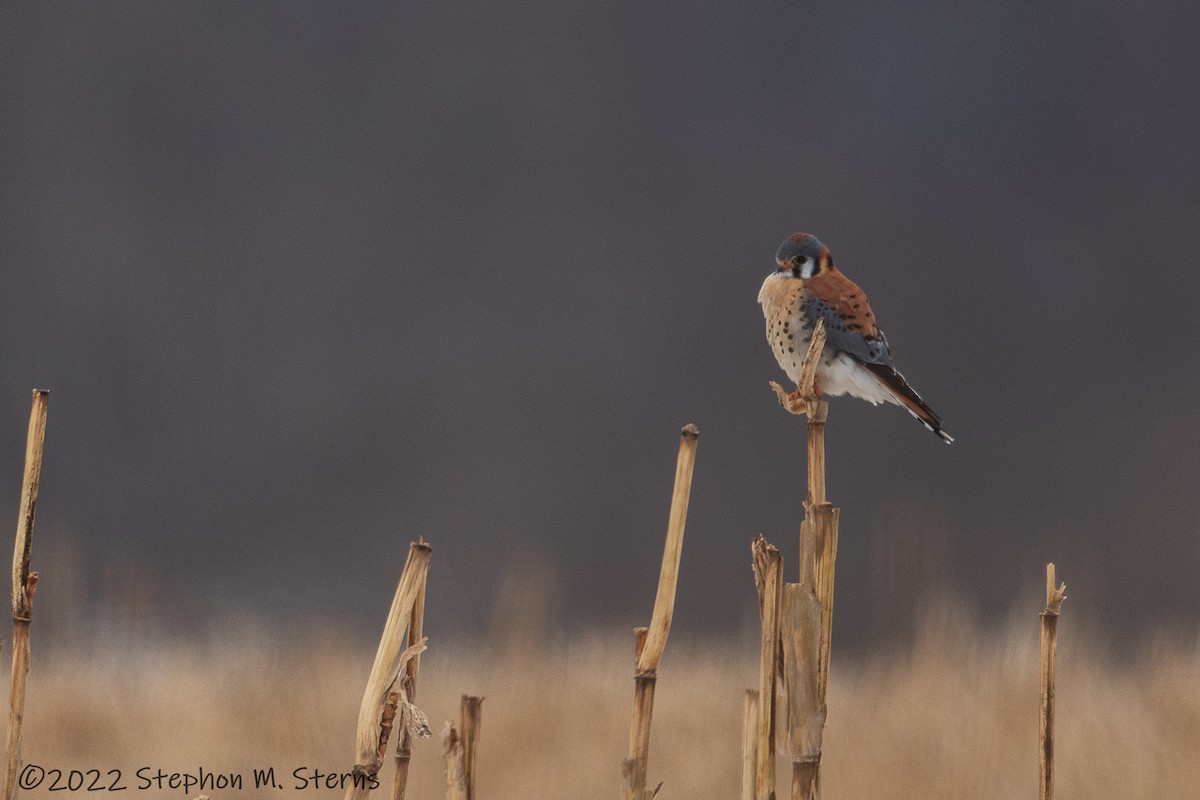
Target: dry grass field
[952,716]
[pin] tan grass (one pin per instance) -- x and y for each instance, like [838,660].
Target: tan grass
[954,716]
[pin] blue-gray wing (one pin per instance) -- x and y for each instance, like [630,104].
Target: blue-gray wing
[841,338]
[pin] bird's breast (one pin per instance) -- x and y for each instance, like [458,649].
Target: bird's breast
[788,332]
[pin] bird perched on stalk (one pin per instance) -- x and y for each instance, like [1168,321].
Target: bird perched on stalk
[805,288]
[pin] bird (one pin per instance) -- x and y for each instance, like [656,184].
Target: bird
[806,287]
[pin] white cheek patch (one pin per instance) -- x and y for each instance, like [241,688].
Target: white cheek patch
[806,268]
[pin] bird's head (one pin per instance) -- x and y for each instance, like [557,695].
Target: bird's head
[803,255]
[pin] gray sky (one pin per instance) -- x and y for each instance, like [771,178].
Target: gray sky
[310,280]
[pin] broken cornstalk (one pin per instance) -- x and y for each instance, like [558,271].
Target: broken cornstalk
[23,587]
[749,742]
[768,578]
[461,749]
[408,686]
[452,751]
[808,606]
[650,642]
[1055,594]
[374,723]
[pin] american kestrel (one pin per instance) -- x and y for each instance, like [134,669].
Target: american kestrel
[807,287]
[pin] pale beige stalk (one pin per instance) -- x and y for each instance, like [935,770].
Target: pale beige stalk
[452,750]
[652,641]
[385,671]
[768,577]
[408,684]
[23,587]
[749,742]
[472,716]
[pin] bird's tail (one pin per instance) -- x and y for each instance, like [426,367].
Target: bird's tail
[894,382]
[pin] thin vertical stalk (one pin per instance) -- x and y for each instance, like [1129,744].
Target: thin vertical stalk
[408,682]
[801,634]
[768,570]
[825,526]
[24,587]
[749,742]
[1055,594]
[652,641]
[472,710]
[452,750]
[633,769]
[818,414]
[668,578]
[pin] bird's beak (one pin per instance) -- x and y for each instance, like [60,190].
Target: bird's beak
[788,266]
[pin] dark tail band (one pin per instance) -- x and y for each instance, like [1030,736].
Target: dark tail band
[895,383]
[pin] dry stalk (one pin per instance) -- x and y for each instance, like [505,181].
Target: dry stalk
[472,708]
[633,768]
[452,749]
[818,413]
[460,747]
[825,527]
[390,659]
[24,587]
[652,641]
[749,742]
[1055,594]
[801,635]
[768,571]
[387,719]
[408,684]
[808,606]
[397,704]
[664,600]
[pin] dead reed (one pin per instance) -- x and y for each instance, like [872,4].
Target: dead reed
[1055,594]
[390,660]
[768,578]
[801,635]
[472,716]
[652,641]
[460,749]
[408,685]
[749,743]
[807,606]
[453,751]
[23,587]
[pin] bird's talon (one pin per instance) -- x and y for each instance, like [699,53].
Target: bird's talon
[793,402]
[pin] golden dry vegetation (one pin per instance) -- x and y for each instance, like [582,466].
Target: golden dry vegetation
[953,715]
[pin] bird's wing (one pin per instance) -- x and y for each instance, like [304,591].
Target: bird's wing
[851,329]
[849,322]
